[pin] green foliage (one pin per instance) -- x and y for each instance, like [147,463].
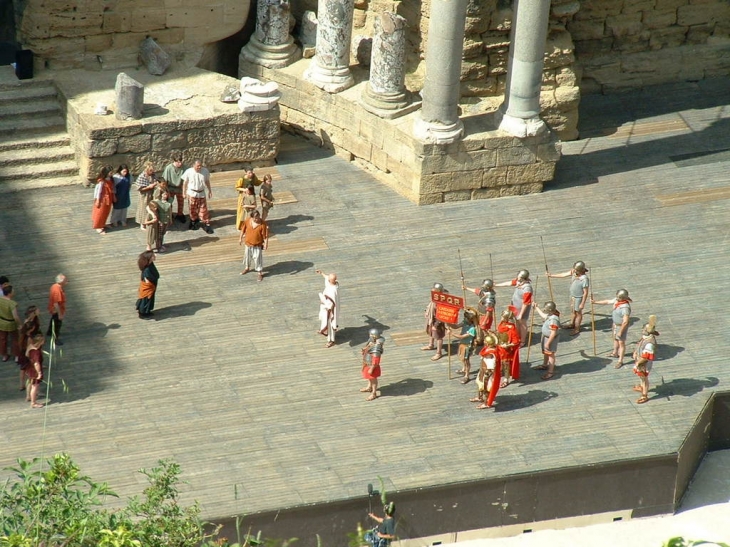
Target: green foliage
[681,542]
[60,507]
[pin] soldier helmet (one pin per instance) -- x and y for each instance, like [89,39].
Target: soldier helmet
[470,315]
[549,307]
[523,275]
[622,294]
[374,333]
[488,284]
[490,340]
[508,315]
[438,287]
[650,327]
[580,267]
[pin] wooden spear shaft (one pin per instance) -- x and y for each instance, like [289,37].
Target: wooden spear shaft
[593,315]
[532,322]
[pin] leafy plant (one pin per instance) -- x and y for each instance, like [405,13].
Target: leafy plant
[681,542]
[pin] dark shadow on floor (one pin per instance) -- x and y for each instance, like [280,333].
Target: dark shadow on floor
[358,336]
[280,226]
[405,387]
[288,267]
[506,403]
[180,310]
[684,387]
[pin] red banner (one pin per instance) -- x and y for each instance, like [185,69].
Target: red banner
[447,306]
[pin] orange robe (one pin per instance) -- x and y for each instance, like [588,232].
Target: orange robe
[106,199]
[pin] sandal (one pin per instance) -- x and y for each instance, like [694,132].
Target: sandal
[436,357]
[503,383]
[425,348]
[329,344]
[372,397]
[619,364]
[465,380]
[244,272]
[482,406]
[460,371]
[613,354]
[636,388]
[541,367]
[261,276]
[476,400]
[36,405]
[365,390]
[642,400]
[547,375]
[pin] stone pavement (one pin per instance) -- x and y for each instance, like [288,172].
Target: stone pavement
[232,381]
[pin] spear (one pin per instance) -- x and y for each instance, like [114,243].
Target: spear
[532,322]
[461,270]
[491,266]
[547,272]
[593,315]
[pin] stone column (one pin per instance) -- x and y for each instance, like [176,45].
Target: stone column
[439,118]
[385,93]
[521,107]
[330,67]
[129,95]
[271,45]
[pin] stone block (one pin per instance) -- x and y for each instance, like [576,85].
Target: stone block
[371,132]
[485,193]
[662,5]
[559,50]
[700,14]
[698,34]
[117,21]
[495,177]
[521,189]
[587,29]
[202,17]
[655,19]
[566,76]
[101,133]
[479,88]
[501,19]
[128,40]
[57,47]
[566,9]
[129,98]
[476,25]
[100,149]
[668,37]
[359,147]
[567,97]
[535,172]
[473,47]
[459,195]
[97,43]
[154,57]
[591,48]
[359,18]
[136,144]
[435,183]
[549,152]
[624,24]
[517,155]
[379,158]
[148,19]
[599,9]
[167,142]
[497,61]
[474,69]
[632,43]
[496,41]
[461,161]
[430,199]
[634,6]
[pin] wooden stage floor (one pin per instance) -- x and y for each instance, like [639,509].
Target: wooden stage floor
[232,381]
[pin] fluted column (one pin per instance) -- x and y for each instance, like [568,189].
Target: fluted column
[439,118]
[330,67]
[521,107]
[271,44]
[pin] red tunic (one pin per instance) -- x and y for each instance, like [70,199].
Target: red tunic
[106,197]
[511,354]
[496,376]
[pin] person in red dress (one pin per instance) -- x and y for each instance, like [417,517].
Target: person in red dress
[103,199]
[34,368]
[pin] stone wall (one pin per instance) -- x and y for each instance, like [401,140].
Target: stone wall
[632,43]
[487,163]
[105,34]
[182,113]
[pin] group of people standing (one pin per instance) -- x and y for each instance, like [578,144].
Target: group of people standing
[500,353]
[23,340]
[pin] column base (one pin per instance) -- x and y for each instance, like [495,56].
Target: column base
[388,105]
[271,56]
[521,127]
[331,80]
[436,133]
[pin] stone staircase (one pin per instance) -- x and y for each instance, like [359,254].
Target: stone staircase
[34,146]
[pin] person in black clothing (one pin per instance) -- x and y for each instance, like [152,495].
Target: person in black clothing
[384,533]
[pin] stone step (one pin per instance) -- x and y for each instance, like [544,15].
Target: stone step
[36,171]
[25,126]
[28,184]
[30,94]
[31,156]
[30,109]
[23,140]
